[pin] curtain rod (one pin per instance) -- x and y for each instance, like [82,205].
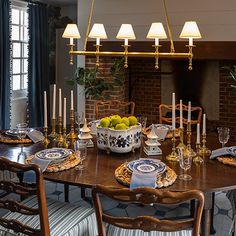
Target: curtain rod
[31,1]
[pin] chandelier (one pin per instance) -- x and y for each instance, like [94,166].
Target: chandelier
[156,32]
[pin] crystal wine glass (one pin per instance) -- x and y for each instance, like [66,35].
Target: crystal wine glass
[78,120]
[223,135]
[80,148]
[185,161]
[21,129]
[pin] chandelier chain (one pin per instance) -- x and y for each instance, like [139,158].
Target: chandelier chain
[172,47]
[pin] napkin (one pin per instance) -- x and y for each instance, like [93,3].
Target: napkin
[43,164]
[221,152]
[35,135]
[139,179]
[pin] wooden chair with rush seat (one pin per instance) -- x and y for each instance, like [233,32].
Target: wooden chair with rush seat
[37,215]
[195,118]
[116,225]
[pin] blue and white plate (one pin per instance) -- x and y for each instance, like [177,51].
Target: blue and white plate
[147,166]
[54,154]
[231,150]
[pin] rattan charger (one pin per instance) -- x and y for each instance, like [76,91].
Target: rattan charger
[227,160]
[68,163]
[13,140]
[123,176]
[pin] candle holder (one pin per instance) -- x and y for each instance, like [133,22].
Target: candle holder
[59,138]
[197,159]
[173,156]
[46,141]
[72,134]
[204,151]
[181,145]
[189,133]
[53,134]
[64,143]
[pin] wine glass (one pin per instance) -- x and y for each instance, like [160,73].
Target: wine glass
[78,120]
[185,161]
[21,130]
[223,135]
[80,148]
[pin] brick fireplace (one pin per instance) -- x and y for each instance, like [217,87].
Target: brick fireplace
[146,87]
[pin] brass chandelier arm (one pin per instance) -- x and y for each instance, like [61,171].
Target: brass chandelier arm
[134,54]
[89,23]
[172,47]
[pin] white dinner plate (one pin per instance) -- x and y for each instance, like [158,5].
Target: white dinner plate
[54,154]
[147,166]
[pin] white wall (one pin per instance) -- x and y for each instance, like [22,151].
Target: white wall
[216,18]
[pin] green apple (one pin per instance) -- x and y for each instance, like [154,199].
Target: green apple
[116,119]
[133,120]
[105,122]
[121,126]
[125,120]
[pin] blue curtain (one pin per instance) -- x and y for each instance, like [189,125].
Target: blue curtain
[5,67]
[38,62]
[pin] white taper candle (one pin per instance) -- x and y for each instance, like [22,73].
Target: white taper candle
[204,124]
[189,112]
[64,113]
[54,102]
[173,111]
[60,105]
[198,133]
[71,100]
[45,109]
[181,114]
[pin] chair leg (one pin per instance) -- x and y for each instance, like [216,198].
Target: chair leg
[66,192]
[192,207]
[212,214]
[83,195]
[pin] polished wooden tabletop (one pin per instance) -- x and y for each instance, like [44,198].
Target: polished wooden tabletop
[210,176]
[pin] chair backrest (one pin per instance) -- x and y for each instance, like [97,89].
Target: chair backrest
[22,189]
[113,107]
[148,195]
[196,114]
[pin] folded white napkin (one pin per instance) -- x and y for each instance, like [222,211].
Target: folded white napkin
[43,164]
[223,151]
[139,179]
[35,135]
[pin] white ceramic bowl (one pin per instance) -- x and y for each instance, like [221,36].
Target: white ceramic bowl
[120,141]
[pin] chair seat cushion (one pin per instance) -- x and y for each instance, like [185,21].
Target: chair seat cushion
[64,219]
[116,231]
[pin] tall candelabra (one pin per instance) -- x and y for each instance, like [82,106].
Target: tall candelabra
[204,151]
[197,158]
[46,141]
[53,134]
[173,156]
[72,134]
[60,138]
[181,145]
[64,144]
[189,133]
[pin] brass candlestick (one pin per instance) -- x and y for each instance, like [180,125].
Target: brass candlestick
[204,151]
[173,156]
[53,134]
[181,145]
[59,138]
[72,135]
[64,144]
[46,141]
[189,133]
[197,159]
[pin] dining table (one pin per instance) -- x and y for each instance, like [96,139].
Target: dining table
[209,177]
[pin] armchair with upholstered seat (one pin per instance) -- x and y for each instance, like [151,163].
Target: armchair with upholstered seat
[37,215]
[120,225]
[164,109]
[113,107]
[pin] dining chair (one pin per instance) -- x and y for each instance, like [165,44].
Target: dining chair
[37,215]
[113,107]
[196,115]
[116,225]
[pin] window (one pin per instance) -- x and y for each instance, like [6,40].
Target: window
[20,48]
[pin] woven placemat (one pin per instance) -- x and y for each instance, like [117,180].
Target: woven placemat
[68,163]
[12,140]
[227,160]
[123,175]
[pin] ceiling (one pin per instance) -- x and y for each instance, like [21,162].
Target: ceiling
[60,2]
